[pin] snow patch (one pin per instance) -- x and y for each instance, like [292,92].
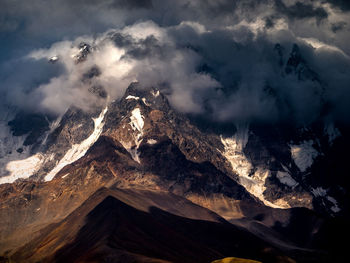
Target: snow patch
[22,168]
[155,93]
[16,160]
[236,157]
[286,178]
[332,132]
[254,183]
[304,154]
[151,141]
[136,120]
[130,97]
[64,176]
[53,59]
[53,126]
[78,150]
[335,208]
[132,148]
[145,102]
[319,192]
[136,123]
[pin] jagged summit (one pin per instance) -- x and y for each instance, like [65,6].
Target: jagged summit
[143,118]
[296,64]
[151,97]
[53,59]
[84,50]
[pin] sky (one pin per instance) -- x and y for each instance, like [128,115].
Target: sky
[230,61]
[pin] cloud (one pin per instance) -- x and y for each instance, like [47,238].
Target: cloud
[342,4]
[144,52]
[212,58]
[338,26]
[301,10]
[132,4]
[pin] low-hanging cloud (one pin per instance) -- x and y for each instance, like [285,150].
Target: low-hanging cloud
[217,59]
[143,52]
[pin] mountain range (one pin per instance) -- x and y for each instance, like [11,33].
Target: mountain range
[134,180]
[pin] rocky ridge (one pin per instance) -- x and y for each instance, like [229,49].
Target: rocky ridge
[262,179]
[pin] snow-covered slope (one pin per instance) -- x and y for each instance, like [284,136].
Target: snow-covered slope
[136,123]
[78,150]
[21,161]
[16,160]
[277,171]
[304,154]
[252,180]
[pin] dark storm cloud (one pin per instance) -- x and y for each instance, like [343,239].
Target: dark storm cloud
[23,76]
[214,58]
[338,26]
[8,24]
[220,7]
[342,4]
[254,83]
[269,21]
[138,49]
[131,4]
[146,47]
[301,10]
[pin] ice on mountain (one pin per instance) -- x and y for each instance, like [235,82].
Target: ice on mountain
[130,97]
[78,150]
[304,154]
[64,176]
[53,59]
[145,102]
[22,168]
[15,163]
[234,151]
[319,192]
[136,120]
[253,182]
[84,50]
[136,123]
[155,93]
[335,208]
[151,141]
[332,132]
[286,178]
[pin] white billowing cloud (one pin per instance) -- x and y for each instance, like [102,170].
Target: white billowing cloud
[145,29]
[258,26]
[199,28]
[317,44]
[176,69]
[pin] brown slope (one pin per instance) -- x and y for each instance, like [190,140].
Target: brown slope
[26,207]
[106,228]
[183,161]
[107,163]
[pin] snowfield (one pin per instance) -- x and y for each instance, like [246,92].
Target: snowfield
[78,150]
[254,183]
[304,154]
